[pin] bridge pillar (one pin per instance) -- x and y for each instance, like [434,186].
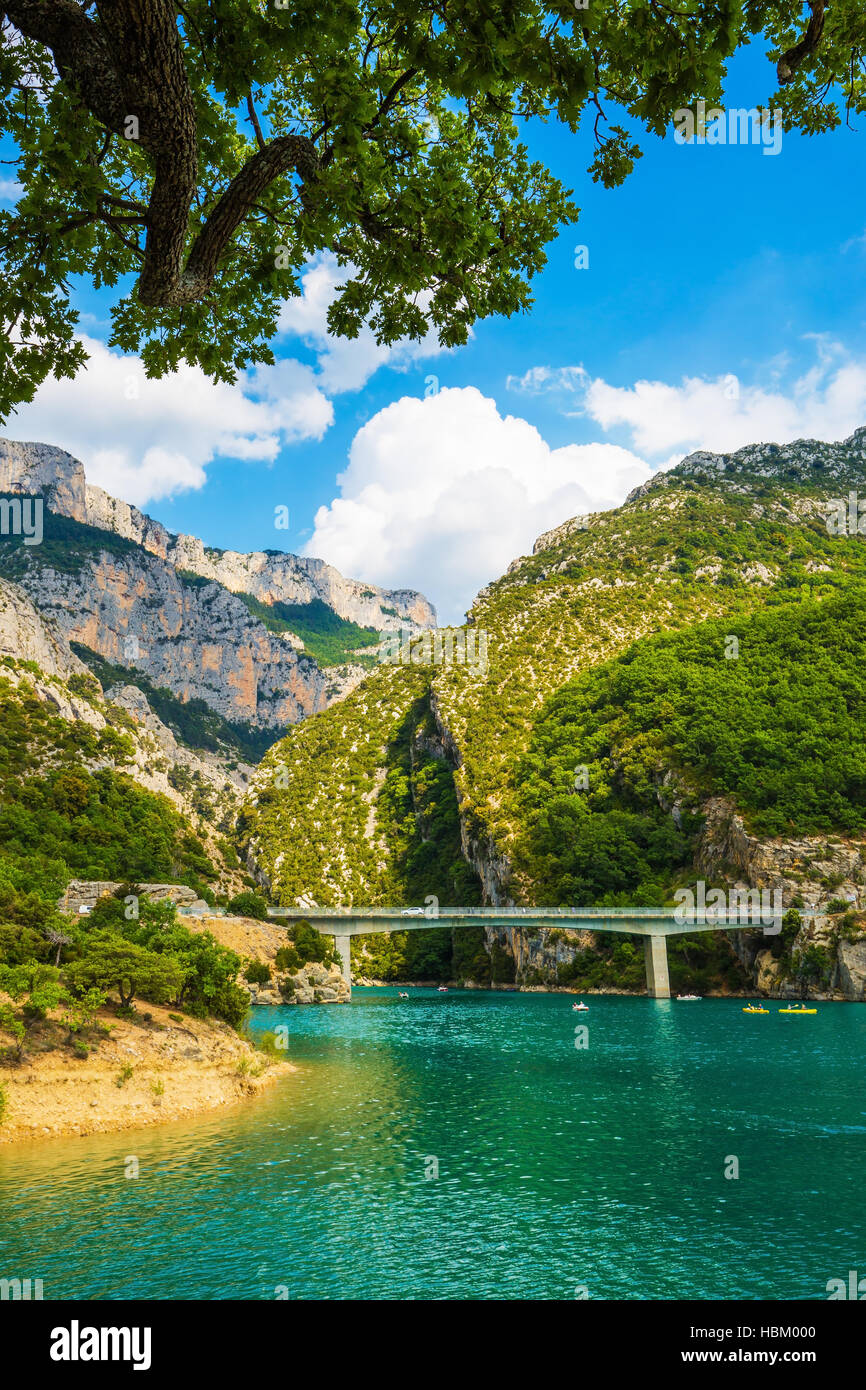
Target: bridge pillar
[655,951]
[341,944]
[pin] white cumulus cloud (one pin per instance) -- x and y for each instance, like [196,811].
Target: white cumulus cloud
[144,440]
[344,364]
[440,494]
[827,401]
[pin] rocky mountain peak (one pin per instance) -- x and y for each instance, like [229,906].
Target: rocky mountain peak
[809,461]
[43,469]
[269,576]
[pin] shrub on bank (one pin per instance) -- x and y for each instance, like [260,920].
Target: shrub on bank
[249,904]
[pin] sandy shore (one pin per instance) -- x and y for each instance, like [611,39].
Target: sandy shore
[178,1070]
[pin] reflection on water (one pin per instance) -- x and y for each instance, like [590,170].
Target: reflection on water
[558,1167]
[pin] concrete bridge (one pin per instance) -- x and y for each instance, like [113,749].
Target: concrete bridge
[654,924]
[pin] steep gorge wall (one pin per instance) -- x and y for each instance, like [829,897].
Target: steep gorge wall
[542,632]
[198,640]
[812,872]
[268,576]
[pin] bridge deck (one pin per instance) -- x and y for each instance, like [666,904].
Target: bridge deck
[654,924]
[632,921]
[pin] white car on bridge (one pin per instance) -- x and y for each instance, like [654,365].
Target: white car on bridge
[412,912]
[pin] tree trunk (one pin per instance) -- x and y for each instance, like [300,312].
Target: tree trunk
[130,64]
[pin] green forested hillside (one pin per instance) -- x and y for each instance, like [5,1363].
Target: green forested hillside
[694,546]
[328,638]
[778,728]
[607,648]
[68,809]
[359,805]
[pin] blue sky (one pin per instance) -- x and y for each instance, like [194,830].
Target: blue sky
[730,280]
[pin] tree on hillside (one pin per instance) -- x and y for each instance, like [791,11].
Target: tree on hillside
[36,988]
[113,963]
[249,904]
[206,983]
[195,155]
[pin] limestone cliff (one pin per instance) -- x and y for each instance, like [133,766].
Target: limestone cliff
[29,635]
[197,640]
[268,575]
[824,875]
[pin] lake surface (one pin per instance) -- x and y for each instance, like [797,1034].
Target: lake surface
[559,1169]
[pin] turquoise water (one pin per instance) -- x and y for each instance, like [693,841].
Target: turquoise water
[558,1169]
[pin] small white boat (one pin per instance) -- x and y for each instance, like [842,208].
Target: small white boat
[443,989]
[579,1008]
[683,997]
[402,995]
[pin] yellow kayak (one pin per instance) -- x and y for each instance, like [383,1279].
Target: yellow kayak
[751,1010]
[798,1011]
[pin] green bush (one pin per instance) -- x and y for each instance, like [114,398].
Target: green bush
[288,959]
[257,973]
[310,945]
[249,904]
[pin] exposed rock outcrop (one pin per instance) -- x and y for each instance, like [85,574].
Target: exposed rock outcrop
[268,575]
[47,471]
[813,873]
[811,868]
[196,639]
[28,635]
[312,984]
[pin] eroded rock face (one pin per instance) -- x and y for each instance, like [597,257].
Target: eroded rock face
[44,470]
[852,969]
[811,871]
[111,514]
[802,867]
[300,579]
[198,640]
[268,576]
[28,635]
